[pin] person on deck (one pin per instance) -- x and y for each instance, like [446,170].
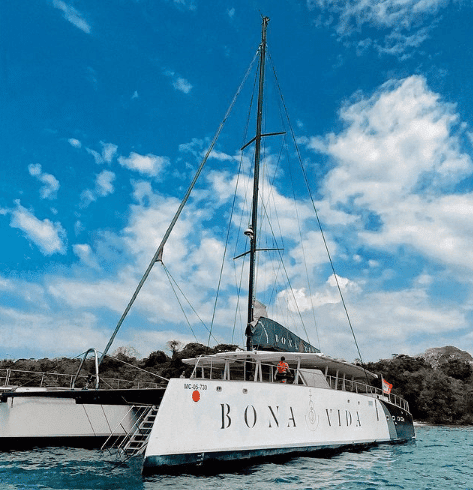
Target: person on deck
[283,370]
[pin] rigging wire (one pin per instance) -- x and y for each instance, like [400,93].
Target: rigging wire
[289,282]
[245,134]
[171,281]
[284,146]
[159,252]
[305,261]
[315,211]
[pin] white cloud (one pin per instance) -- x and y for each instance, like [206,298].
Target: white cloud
[301,300]
[398,157]
[401,146]
[103,187]
[103,184]
[196,146]
[402,24]
[97,156]
[54,333]
[74,142]
[72,15]
[389,13]
[49,237]
[178,82]
[51,184]
[109,150]
[85,254]
[150,164]
[5,284]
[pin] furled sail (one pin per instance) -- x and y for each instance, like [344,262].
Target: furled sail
[270,335]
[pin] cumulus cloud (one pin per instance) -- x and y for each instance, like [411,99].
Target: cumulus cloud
[72,15]
[150,164]
[301,300]
[395,142]
[49,237]
[50,183]
[402,145]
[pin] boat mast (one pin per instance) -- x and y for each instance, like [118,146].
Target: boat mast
[254,214]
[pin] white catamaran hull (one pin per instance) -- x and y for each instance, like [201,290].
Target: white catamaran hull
[84,418]
[53,421]
[204,420]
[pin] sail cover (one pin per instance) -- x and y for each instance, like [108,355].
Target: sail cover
[270,335]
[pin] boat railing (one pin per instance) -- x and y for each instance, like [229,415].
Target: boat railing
[250,370]
[338,383]
[21,377]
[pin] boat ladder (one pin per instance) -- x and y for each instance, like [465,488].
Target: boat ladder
[135,443]
[136,440]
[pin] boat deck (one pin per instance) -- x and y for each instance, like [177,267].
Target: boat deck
[306,369]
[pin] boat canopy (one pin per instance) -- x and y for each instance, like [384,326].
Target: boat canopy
[307,361]
[271,335]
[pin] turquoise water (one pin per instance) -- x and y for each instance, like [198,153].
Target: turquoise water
[441,458]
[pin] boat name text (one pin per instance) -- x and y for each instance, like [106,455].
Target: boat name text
[250,416]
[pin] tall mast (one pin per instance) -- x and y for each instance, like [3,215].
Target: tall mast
[254,213]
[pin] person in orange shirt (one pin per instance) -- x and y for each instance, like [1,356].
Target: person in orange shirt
[283,370]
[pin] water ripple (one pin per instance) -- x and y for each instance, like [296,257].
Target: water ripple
[439,459]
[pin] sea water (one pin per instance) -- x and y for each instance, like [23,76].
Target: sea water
[440,458]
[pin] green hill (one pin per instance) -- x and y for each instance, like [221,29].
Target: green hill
[438,384]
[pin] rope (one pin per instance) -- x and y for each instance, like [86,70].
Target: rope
[88,418]
[171,281]
[316,213]
[106,419]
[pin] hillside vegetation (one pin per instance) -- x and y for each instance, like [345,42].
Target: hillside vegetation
[438,384]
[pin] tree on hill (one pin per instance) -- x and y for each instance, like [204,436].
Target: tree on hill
[456,368]
[174,346]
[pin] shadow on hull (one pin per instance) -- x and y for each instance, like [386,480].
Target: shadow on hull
[245,462]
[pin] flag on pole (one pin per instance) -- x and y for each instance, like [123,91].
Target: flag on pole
[387,387]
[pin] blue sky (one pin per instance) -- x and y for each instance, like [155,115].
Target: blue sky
[107,107]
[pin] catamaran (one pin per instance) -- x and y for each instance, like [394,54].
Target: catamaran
[234,405]
[237,405]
